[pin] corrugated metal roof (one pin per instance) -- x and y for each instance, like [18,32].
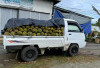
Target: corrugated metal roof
[69,11]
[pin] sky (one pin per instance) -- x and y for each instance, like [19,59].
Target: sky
[82,6]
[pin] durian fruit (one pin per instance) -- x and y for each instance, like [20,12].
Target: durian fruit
[35,30]
[39,30]
[42,27]
[19,33]
[60,35]
[44,30]
[16,30]
[58,28]
[59,31]
[48,34]
[52,34]
[8,30]
[36,27]
[30,33]
[50,31]
[34,34]
[54,31]
[56,34]
[52,28]
[25,29]
[6,33]
[32,26]
[62,28]
[48,28]
[45,34]
[42,33]
[12,33]
[20,29]
[30,29]
[62,31]
[47,31]
[24,33]
[38,34]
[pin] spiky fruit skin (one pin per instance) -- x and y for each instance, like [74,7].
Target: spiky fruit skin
[6,33]
[38,34]
[16,27]
[34,34]
[42,33]
[8,30]
[24,33]
[21,29]
[25,29]
[19,33]
[32,27]
[31,30]
[39,30]
[35,30]
[30,33]
[45,34]
[56,34]
[12,33]
[16,30]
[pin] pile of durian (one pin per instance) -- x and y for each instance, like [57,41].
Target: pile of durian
[32,30]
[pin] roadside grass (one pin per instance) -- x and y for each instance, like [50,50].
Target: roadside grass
[49,61]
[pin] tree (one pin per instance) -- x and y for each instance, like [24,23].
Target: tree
[98,23]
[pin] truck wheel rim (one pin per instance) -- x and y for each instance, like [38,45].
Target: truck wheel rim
[30,54]
[74,50]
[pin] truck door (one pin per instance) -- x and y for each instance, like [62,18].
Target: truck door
[75,34]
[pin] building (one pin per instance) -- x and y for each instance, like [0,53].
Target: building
[83,20]
[36,9]
[80,18]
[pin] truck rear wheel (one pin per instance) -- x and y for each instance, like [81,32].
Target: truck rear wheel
[29,54]
[73,50]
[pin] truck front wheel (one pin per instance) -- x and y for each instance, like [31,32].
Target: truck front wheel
[29,54]
[73,50]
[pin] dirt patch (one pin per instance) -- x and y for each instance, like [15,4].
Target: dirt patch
[49,61]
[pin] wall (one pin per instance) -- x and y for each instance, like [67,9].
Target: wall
[5,15]
[34,15]
[45,6]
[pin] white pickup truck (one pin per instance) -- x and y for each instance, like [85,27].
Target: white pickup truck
[29,47]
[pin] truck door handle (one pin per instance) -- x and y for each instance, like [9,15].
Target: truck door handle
[70,34]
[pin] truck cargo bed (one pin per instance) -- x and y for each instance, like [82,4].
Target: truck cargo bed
[41,41]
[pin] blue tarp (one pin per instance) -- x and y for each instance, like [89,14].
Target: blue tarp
[86,26]
[58,14]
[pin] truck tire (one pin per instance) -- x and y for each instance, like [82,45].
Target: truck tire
[73,50]
[29,54]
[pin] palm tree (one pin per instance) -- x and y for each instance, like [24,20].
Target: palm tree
[98,23]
